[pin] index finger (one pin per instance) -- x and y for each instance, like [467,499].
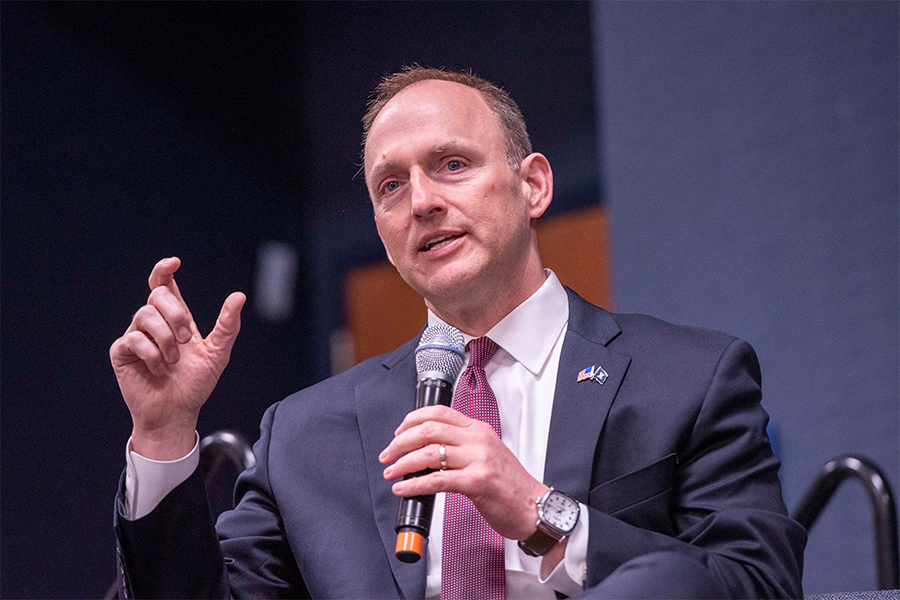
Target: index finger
[443,414]
[163,274]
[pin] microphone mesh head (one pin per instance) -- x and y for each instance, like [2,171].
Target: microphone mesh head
[441,348]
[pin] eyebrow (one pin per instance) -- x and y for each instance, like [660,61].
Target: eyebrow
[448,148]
[378,172]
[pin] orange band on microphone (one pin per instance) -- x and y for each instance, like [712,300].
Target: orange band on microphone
[410,544]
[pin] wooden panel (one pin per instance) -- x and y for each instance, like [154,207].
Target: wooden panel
[383,312]
[575,245]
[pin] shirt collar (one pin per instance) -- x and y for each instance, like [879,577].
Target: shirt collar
[530,331]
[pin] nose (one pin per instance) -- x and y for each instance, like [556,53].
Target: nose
[426,199]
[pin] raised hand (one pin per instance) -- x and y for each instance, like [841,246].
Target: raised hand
[166,369]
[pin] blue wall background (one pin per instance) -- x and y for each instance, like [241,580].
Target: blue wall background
[749,155]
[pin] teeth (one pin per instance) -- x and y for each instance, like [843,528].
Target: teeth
[440,242]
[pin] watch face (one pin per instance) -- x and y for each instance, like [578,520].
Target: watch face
[560,512]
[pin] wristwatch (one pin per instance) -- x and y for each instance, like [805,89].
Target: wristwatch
[557,517]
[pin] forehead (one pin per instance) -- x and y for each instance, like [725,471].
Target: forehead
[431,112]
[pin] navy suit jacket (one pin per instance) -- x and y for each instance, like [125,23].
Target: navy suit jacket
[669,454]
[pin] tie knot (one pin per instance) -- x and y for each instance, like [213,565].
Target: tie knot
[481,351]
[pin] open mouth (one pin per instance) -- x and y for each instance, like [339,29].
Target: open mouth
[440,242]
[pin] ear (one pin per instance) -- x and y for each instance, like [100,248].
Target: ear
[537,183]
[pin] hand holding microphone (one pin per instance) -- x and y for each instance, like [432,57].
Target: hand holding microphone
[481,467]
[439,359]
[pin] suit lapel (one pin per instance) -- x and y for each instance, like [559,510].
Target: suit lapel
[580,407]
[381,405]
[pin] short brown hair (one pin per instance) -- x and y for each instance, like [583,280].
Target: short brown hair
[517,142]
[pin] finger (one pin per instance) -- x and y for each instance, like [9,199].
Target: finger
[149,321]
[163,274]
[135,346]
[175,313]
[429,432]
[430,483]
[473,469]
[428,457]
[439,412]
[472,434]
[228,325]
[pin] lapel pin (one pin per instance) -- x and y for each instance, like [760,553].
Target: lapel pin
[593,373]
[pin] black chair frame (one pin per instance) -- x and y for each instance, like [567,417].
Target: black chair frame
[884,510]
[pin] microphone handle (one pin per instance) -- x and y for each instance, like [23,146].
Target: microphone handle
[414,516]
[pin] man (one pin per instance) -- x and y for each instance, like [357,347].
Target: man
[651,434]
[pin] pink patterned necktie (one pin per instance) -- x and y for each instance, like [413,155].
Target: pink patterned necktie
[472,562]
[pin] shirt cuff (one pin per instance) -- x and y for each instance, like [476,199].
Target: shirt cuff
[569,574]
[148,481]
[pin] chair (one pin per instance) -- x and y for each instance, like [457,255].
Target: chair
[884,515]
[221,445]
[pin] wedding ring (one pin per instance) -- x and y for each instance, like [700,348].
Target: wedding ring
[443,453]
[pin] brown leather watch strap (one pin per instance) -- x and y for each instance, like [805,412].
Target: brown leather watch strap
[539,543]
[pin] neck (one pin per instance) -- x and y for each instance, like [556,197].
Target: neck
[476,316]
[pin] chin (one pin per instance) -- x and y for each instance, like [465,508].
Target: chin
[446,282]
[444,290]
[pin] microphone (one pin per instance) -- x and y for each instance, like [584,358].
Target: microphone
[439,359]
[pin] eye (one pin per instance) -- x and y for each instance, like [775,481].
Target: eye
[390,186]
[454,165]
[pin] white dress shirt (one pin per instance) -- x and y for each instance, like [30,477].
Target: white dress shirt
[523,376]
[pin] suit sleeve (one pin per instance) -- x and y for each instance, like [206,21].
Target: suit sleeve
[724,511]
[176,552]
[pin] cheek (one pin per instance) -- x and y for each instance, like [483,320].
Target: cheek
[389,235]
[503,204]
[494,199]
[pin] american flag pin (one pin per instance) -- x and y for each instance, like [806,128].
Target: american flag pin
[593,373]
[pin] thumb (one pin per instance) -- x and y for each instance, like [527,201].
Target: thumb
[221,338]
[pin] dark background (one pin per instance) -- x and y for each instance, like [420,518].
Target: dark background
[135,131]
[746,154]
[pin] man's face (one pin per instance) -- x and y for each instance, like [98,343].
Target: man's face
[451,212]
